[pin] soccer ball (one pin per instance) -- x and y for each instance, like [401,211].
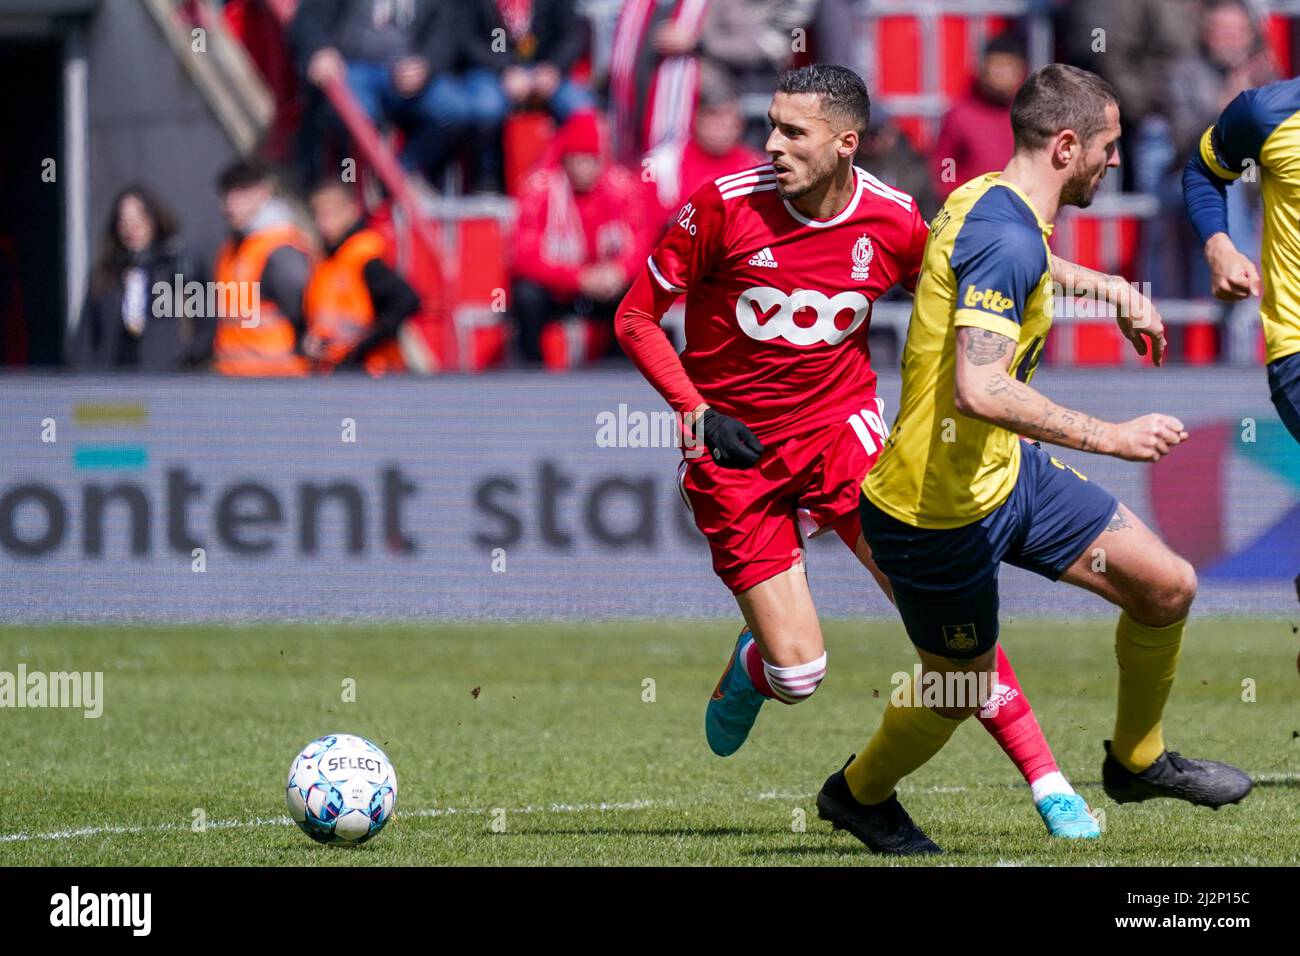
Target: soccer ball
[341,789]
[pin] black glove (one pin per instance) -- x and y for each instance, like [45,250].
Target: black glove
[730,442]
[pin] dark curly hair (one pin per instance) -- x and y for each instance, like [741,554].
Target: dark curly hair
[842,93]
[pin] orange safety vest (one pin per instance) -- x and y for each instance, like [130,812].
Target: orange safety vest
[262,344]
[337,302]
[339,309]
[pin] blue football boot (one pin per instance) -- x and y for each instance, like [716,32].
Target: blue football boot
[1066,815]
[734,706]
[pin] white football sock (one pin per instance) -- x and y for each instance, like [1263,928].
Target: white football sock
[1050,783]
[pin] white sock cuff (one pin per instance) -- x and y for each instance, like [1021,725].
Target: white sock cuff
[1049,783]
[793,684]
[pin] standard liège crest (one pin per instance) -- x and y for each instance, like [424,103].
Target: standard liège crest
[959,637]
[862,256]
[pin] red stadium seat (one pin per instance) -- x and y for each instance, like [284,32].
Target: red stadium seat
[488,346]
[898,53]
[524,140]
[1130,245]
[1086,241]
[1200,344]
[555,347]
[1277,31]
[483,256]
[482,279]
[954,54]
[571,343]
[1098,343]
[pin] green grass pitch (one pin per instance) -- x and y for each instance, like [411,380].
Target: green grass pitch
[552,735]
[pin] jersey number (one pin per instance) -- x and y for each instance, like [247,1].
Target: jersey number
[1025,370]
[865,422]
[1064,467]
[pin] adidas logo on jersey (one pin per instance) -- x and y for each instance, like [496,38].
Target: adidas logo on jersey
[763,258]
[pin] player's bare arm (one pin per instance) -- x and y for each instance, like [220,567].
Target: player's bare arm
[1136,315]
[985,389]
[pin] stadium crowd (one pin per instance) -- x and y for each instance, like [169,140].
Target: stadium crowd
[647,100]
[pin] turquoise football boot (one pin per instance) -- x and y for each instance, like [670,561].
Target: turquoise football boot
[734,706]
[1066,815]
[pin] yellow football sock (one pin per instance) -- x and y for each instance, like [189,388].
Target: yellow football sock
[1148,660]
[906,738]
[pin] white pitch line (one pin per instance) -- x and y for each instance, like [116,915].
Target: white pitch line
[151,828]
[602,807]
[1278,778]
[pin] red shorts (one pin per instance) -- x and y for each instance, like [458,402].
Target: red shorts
[756,518]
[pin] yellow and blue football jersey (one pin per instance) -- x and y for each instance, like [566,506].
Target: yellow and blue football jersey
[1258,133]
[986,265]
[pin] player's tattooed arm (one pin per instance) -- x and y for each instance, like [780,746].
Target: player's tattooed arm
[986,389]
[983,347]
[1137,316]
[1074,279]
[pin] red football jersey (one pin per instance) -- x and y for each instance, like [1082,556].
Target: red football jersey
[777,304]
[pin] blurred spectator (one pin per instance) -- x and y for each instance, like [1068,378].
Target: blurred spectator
[354,303]
[125,322]
[835,39]
[395,56]
[890,156]
[1232,57]
[1143,39]
[658,47]
[752,39]
[975,137]
[714,148]
[1078,29]
[584,228]
[648,84]
[262,269]
[542,41]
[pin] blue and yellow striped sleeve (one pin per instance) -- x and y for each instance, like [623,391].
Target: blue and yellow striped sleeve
[996,266]
[1237,138]
[1229,147]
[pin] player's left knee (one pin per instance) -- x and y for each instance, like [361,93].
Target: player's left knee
[1182,591]
[1172,600]
[791,685]
[1189,582]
